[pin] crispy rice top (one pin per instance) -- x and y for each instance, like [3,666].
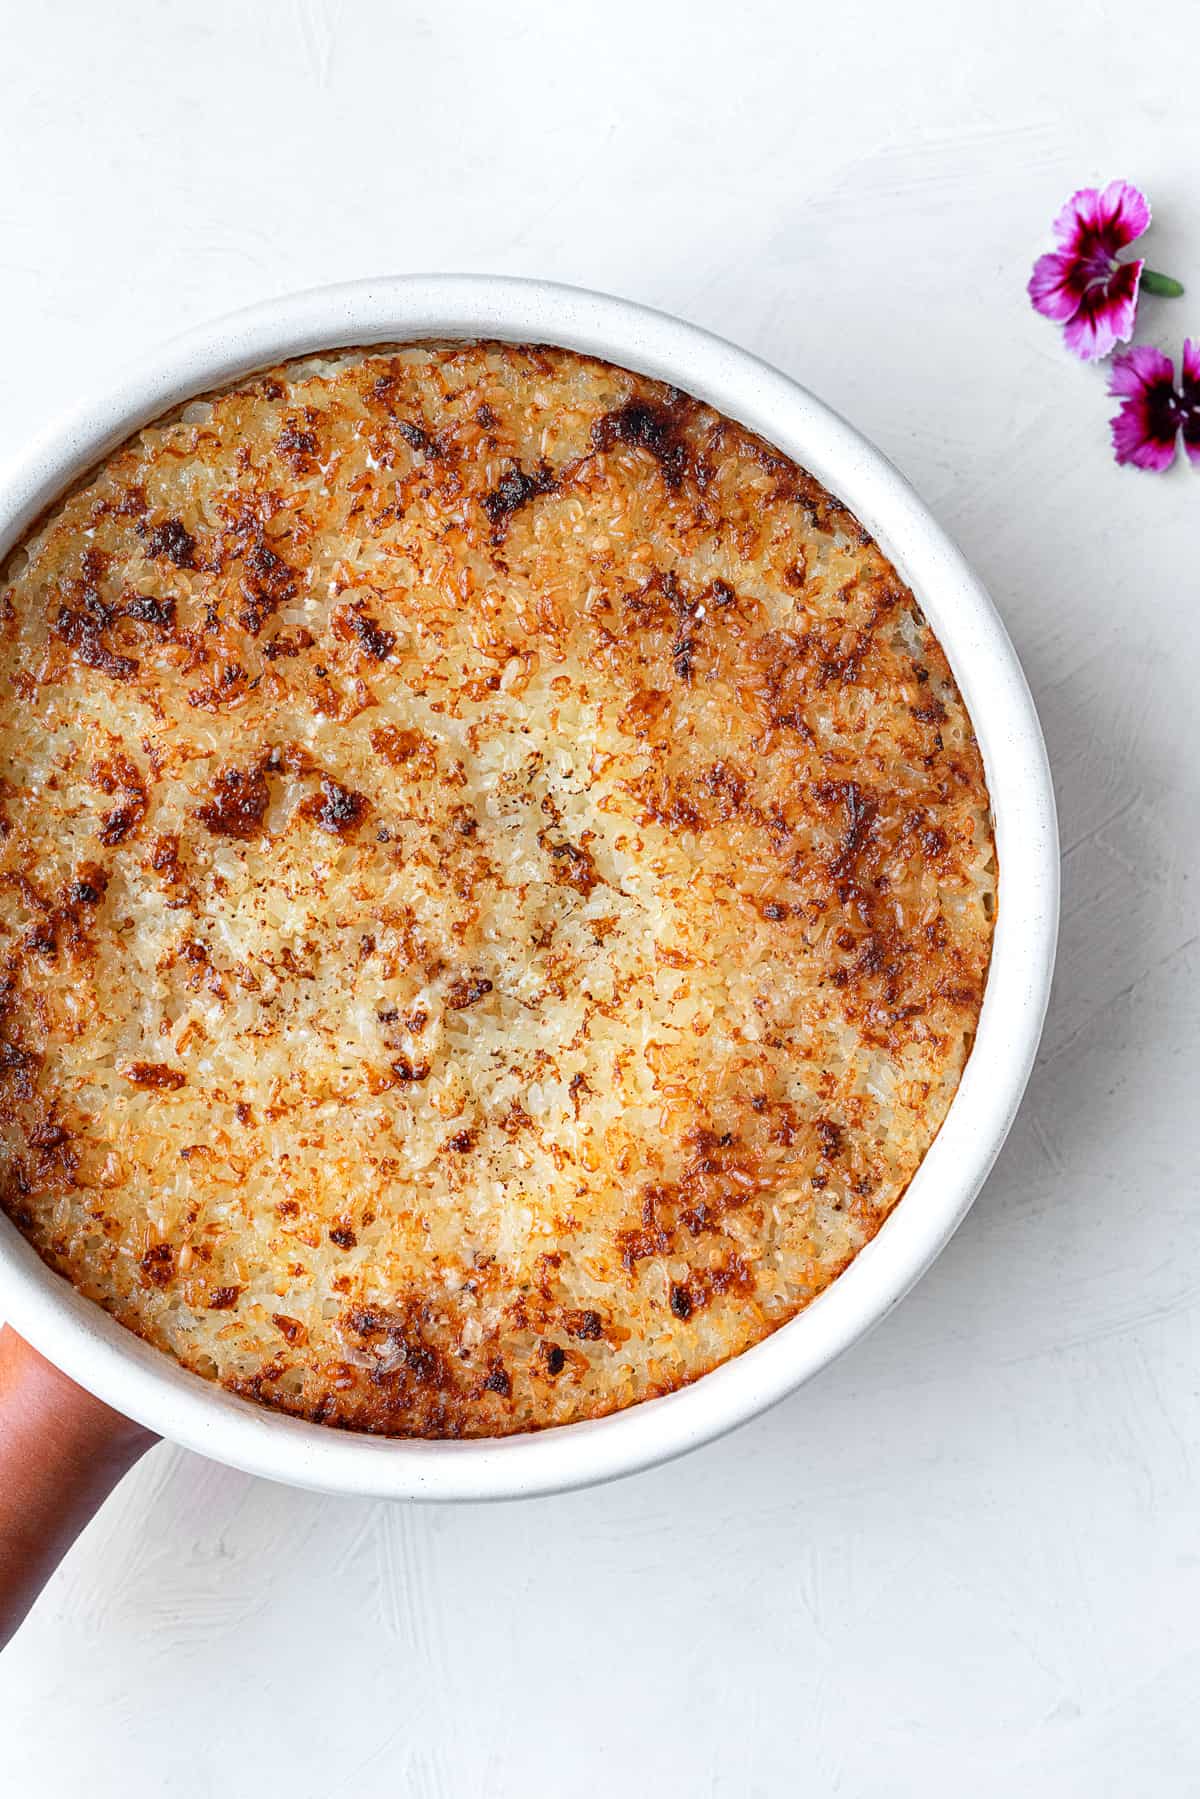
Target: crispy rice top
[496,888]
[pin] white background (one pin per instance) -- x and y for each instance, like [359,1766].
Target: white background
[967,1559]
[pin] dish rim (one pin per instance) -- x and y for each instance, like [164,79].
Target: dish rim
[130,1375]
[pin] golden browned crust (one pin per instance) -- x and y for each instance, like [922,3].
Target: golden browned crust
[496,888]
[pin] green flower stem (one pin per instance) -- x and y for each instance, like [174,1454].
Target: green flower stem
[1166,285]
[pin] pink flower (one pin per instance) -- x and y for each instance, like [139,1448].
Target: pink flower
[1153,411]
[1082,285]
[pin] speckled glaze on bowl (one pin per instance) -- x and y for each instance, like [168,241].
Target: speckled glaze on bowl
[98,1353]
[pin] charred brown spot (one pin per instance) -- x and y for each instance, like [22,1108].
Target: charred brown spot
[683,655]
[860,810]
[83,632]
[297,446]
[406,1354]
[461,1142]
[718,1177]
[681,1302]
[573,865]
[406,1071]
[398,746]
[50,1135]
[120,822]
[229,685]
[132,503]
[164,853]
[354,623]
[343,1236]
[586,1324]
[640,426]
[240,797]
[118,776]
[158,1264]
[829,1135]
[498,1381]
[647,713]
[17,1064]
[426,1364]
[154,1075]
[651,1238]
[41,939]
[288,644]
[367,1321]
[414,435]
[555,1358]
[89,886]
[336,809]
[223,1299]
[267,583]
[170,541]
[465,990]
[291,1328]
[515,489]
[145,609]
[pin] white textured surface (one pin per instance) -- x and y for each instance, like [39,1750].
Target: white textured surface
[966,1558]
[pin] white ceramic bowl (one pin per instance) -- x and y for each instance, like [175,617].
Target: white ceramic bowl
[148,1385]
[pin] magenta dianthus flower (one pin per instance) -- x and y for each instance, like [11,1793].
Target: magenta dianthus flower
[1083,285]
[1154,412]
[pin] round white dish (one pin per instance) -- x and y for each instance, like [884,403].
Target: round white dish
[98,1353]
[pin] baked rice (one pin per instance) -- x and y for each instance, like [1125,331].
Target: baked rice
[496,888]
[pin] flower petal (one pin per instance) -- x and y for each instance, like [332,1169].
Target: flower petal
[1135,371]
[1131,444]
[1189,405]
[1124,213]
[1076,217]
[1145,429]
[1109,220]
[1106,314]
[1054,286]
